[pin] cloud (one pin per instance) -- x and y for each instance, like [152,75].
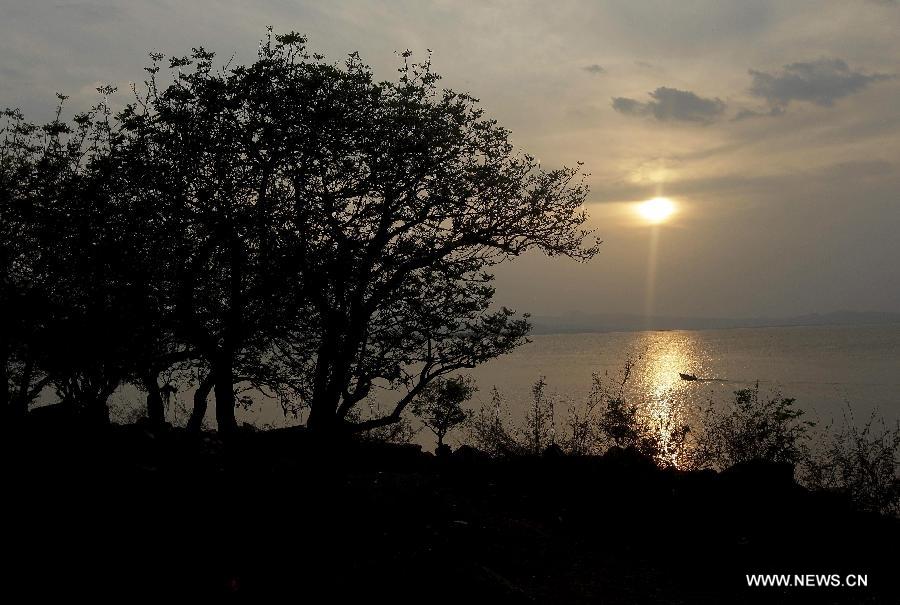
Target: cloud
[629,106]
[594,69]
[646,65]
[820,82]
[671,104]
[745,114]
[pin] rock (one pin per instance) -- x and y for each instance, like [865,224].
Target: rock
[629,457]
[554,451]
[761,475]
[467,453]
[758,486]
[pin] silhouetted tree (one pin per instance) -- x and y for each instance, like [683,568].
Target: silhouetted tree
[148,264]
[205,163]
[83,267]
[439,405]
[292,225]
[81,309]
[22,305]
[334,233]
[61,299]
[399,197]
[201,397]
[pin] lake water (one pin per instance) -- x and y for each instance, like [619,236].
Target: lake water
[824,368]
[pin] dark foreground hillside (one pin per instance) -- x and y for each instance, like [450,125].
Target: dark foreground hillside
[134,514]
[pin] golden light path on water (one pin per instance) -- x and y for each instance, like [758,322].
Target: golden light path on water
[661,356]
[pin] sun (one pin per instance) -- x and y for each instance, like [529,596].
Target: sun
[657,210]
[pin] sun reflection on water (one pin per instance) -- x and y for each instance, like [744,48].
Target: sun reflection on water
[660,358]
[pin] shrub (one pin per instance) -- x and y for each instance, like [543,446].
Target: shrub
[582,436]
[492,431]
[752,428]
[540,430]
[487,429]
[655,429]
[439,405]
[861,462]
[606,418]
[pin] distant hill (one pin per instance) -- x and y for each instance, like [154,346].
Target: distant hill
[584,322]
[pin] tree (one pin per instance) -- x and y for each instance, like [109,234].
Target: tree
[199,165]
[439,405]
[318,233]
[81,309]
[22,308]
[398,199]
[61,299]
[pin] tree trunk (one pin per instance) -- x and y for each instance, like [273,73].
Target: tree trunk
[156,411]
[318,409]
[224,390]
[323,415]
[201,399]
[319,419]
[94,410]
[223,366]
[23,397]
[5,399]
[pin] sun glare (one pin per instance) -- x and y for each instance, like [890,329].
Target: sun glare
[657,210]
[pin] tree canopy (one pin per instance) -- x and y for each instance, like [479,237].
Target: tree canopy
[293,224]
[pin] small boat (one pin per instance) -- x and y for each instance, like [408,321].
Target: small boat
[687,376]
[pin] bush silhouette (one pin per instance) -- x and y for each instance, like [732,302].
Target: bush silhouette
[752,427]
[439,405]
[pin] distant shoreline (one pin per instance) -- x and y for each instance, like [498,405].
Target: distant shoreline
[585,325]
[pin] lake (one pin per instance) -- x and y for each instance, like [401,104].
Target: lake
[824,367]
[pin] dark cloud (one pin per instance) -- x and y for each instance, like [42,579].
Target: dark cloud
[745,114]
[595,70]
[629,106]
[820,82]
[671,104]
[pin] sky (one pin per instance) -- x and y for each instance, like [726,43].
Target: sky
[774,126]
